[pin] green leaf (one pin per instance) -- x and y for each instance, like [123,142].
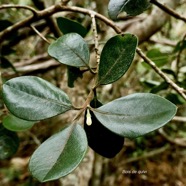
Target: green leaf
[71,50]
[180,46]
[158,57]
[116,57]
[131,7]
[171,72]
[68,26]
[16,124]
[162,86]
[135,115]
[9,143]
[149,83]
[73,74]
[175,98]
[101,139]
[33,99]
[59,155]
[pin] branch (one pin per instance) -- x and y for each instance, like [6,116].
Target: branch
[40,4]
[178,89]
[145,155]
[38,33]
[50,11]
[168,10]
[35,59]
[163,42]
[177,141]
[94,28]
[179,119]
[58,7]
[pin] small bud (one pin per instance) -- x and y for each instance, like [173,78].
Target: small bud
[88,118]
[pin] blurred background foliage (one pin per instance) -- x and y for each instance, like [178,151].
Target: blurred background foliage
[160,154]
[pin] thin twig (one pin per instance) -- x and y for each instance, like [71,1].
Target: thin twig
[56,8]
[177,141]
[168,10]
[35,59]
[40,35]
[146,155]
[163,42]
[34,137]
[39,66]
[19,7]
[166,78]
[97,170]
[50,11]
[179,119]
[96,43]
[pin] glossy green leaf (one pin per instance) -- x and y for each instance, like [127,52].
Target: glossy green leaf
[101,139]
[162,86]
[116,57]
[16,124]
[68,26]
[71,50]
[149,83]
[158,57]
[170,72]
[32,98]
[136,114]
[9,143]
[175,98]
[180,46]
[131,7]
[59,155]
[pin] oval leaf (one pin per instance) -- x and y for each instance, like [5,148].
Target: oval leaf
[9,143]
[131,7]
[115,7]
[101,139]
[67,26]
[59,155]
[70,49]
[116,57]
[135,115]
[33,99]
[16,124]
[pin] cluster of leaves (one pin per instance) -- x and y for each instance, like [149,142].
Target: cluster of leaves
[31,99]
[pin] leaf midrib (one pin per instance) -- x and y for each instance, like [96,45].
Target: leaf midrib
[76,54]
[41,98]
[125,115]
[114,64]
